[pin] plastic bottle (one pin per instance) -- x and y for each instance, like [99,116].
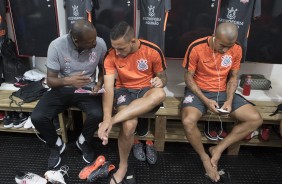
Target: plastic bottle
[247,86]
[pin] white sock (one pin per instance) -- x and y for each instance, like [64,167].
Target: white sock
[81,139]
[59,142]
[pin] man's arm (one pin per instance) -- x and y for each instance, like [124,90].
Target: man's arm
[100,81]
[232,85]
[191,84]
[78,81]
[160,80]
[108,98]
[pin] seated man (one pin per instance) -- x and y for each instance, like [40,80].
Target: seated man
[71,64]
[140,66]
[208,62]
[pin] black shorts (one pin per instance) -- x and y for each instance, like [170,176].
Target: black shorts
[124,96]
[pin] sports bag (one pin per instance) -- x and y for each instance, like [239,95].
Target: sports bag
[12,64]
[29,93]
[259,82]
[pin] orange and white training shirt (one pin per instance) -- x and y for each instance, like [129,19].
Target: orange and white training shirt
[136,70]
[199,58]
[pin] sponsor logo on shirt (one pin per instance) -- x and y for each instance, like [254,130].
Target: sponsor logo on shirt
[231,14]
[151,11]
[92,57]
[75,10]
[226,61]
[142,65]
[151,19]
[231,17]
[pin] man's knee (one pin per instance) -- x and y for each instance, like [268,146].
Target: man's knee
[158,98]
[129,128]
[36,117]
[95,115]
[189,123]
[255,120]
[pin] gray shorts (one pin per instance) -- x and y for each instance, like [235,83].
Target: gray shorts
[124,96]
[191,100]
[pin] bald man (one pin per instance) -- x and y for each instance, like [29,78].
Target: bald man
[71,74]
[211,70]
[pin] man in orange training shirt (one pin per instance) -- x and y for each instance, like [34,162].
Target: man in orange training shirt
[140,67]
[212,65]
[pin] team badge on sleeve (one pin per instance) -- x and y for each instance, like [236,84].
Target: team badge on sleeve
[142,65]
[226,61]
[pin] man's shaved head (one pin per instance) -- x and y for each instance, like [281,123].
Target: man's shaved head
[80,28]
[228,31]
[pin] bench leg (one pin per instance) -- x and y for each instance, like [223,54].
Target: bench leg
[160,131]
[64,133]
[233,149]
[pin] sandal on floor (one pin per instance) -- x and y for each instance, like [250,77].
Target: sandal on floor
[113,178]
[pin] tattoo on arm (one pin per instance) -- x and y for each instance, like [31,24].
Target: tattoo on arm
[232,84]
[190,83]
[163,77]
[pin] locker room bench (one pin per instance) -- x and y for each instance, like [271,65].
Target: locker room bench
[167,130]
[27,107]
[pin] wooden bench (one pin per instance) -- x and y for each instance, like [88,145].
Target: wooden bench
[167,125]
[27,107]
[167,132]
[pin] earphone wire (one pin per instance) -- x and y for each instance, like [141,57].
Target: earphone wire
[218,74]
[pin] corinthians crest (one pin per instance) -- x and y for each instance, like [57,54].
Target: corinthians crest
[151,11]
[226,61]
[75,10]
[231,14]
[142,65]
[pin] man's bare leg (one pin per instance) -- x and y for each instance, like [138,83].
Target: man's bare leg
[151,99]
[250,119]
[190,117]
[125,143]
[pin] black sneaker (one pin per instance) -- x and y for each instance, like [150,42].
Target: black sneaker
[9,119]
[20,119]
[142,128]
[54,158]
[87,151]
[138,151]
[151,153]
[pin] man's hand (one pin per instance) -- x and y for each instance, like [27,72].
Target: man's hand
[227,106]
[157,82]
[95,90]
[212,105]
[79,80]
[104,130]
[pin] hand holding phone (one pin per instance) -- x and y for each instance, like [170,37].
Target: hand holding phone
[222,111]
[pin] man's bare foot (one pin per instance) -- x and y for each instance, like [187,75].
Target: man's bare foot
[119,175]
[211,172]
[215,156]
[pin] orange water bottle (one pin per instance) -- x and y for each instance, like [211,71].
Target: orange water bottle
[247,86]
